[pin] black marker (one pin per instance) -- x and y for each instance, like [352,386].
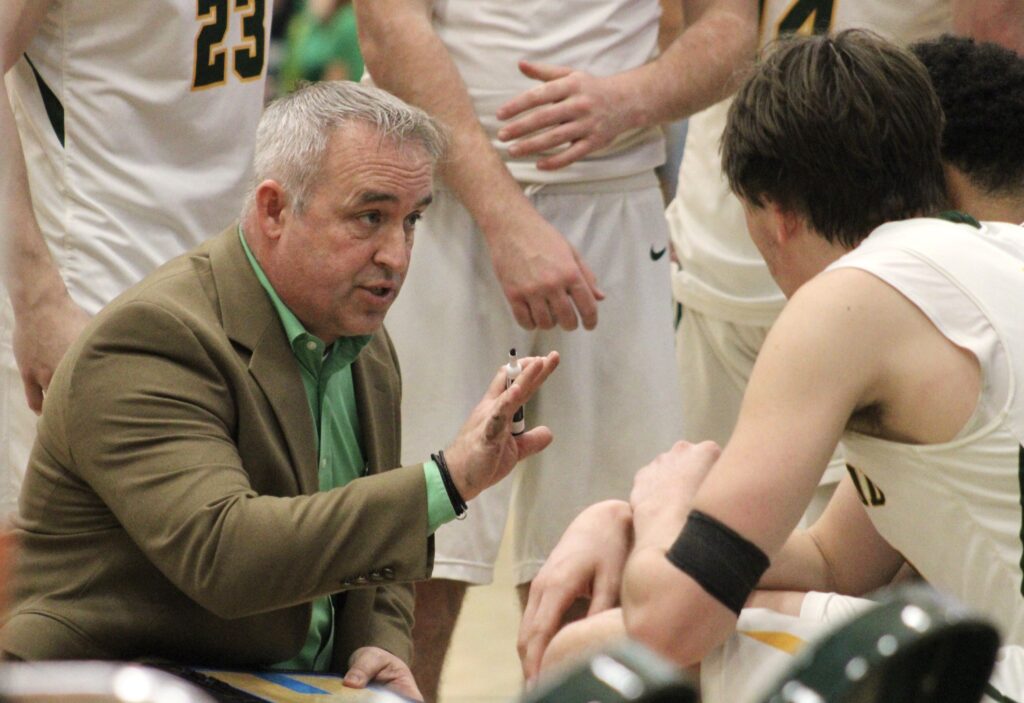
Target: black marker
[512,371]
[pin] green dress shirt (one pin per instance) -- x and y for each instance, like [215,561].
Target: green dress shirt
[326,372]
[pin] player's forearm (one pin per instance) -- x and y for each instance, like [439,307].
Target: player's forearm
[406,57]
[700,68]
[841,552]
[812,560]
[26,267]
[799,566]
[29,273]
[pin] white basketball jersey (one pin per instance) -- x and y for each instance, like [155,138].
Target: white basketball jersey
[137,121]
[721,273]
[954,509]
[487,38]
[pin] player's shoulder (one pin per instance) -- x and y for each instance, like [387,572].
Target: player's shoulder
[841,320]
[843,297]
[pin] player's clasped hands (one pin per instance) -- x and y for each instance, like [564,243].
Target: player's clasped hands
[664,489]
[589,559]
[587,564]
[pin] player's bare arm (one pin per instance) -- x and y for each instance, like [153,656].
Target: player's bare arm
[841,552]
[819,365]
[543,277]
[46,319]
[838,357]
[586,112]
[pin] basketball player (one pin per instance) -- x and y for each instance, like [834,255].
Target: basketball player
[127,131]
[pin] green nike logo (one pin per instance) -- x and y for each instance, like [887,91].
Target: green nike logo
[655,255]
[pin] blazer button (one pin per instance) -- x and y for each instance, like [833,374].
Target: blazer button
[388,572]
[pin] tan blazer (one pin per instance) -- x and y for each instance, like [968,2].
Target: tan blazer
[171,508]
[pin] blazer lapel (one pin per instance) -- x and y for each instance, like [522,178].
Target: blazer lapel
[250,320]
[375,400]
[277,373]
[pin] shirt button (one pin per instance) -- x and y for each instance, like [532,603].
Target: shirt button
[311,345]
[323,463]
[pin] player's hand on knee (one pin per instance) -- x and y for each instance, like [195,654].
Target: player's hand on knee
[485,450]
[664,489]
[586,563]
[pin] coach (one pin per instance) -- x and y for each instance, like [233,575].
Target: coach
[209,483]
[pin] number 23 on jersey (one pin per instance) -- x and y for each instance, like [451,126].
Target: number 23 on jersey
[212,58]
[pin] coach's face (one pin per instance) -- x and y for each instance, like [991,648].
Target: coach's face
[340,263]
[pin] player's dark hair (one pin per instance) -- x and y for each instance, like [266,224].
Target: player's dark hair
[843,129]
[981,89]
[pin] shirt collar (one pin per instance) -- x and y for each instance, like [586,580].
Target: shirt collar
[960,218]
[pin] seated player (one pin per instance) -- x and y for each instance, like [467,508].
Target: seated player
[900,336]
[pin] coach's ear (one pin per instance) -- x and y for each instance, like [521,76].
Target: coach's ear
[272,209]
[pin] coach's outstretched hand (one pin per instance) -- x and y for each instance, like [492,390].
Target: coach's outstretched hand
[485,450]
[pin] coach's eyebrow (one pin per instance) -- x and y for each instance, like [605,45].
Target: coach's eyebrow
[377,197]
[383,197]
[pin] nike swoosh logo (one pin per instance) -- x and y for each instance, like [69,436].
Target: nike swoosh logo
[655,255]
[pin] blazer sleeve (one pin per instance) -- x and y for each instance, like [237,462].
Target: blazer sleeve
[391,627]
[374,617]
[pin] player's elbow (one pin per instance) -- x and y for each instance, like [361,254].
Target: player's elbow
[652,619]
[648,625]
[683,638]
[668,612]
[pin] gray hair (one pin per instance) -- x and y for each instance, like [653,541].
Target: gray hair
[292,136]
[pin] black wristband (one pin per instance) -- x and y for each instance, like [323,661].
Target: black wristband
[458,504]
[723,562]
